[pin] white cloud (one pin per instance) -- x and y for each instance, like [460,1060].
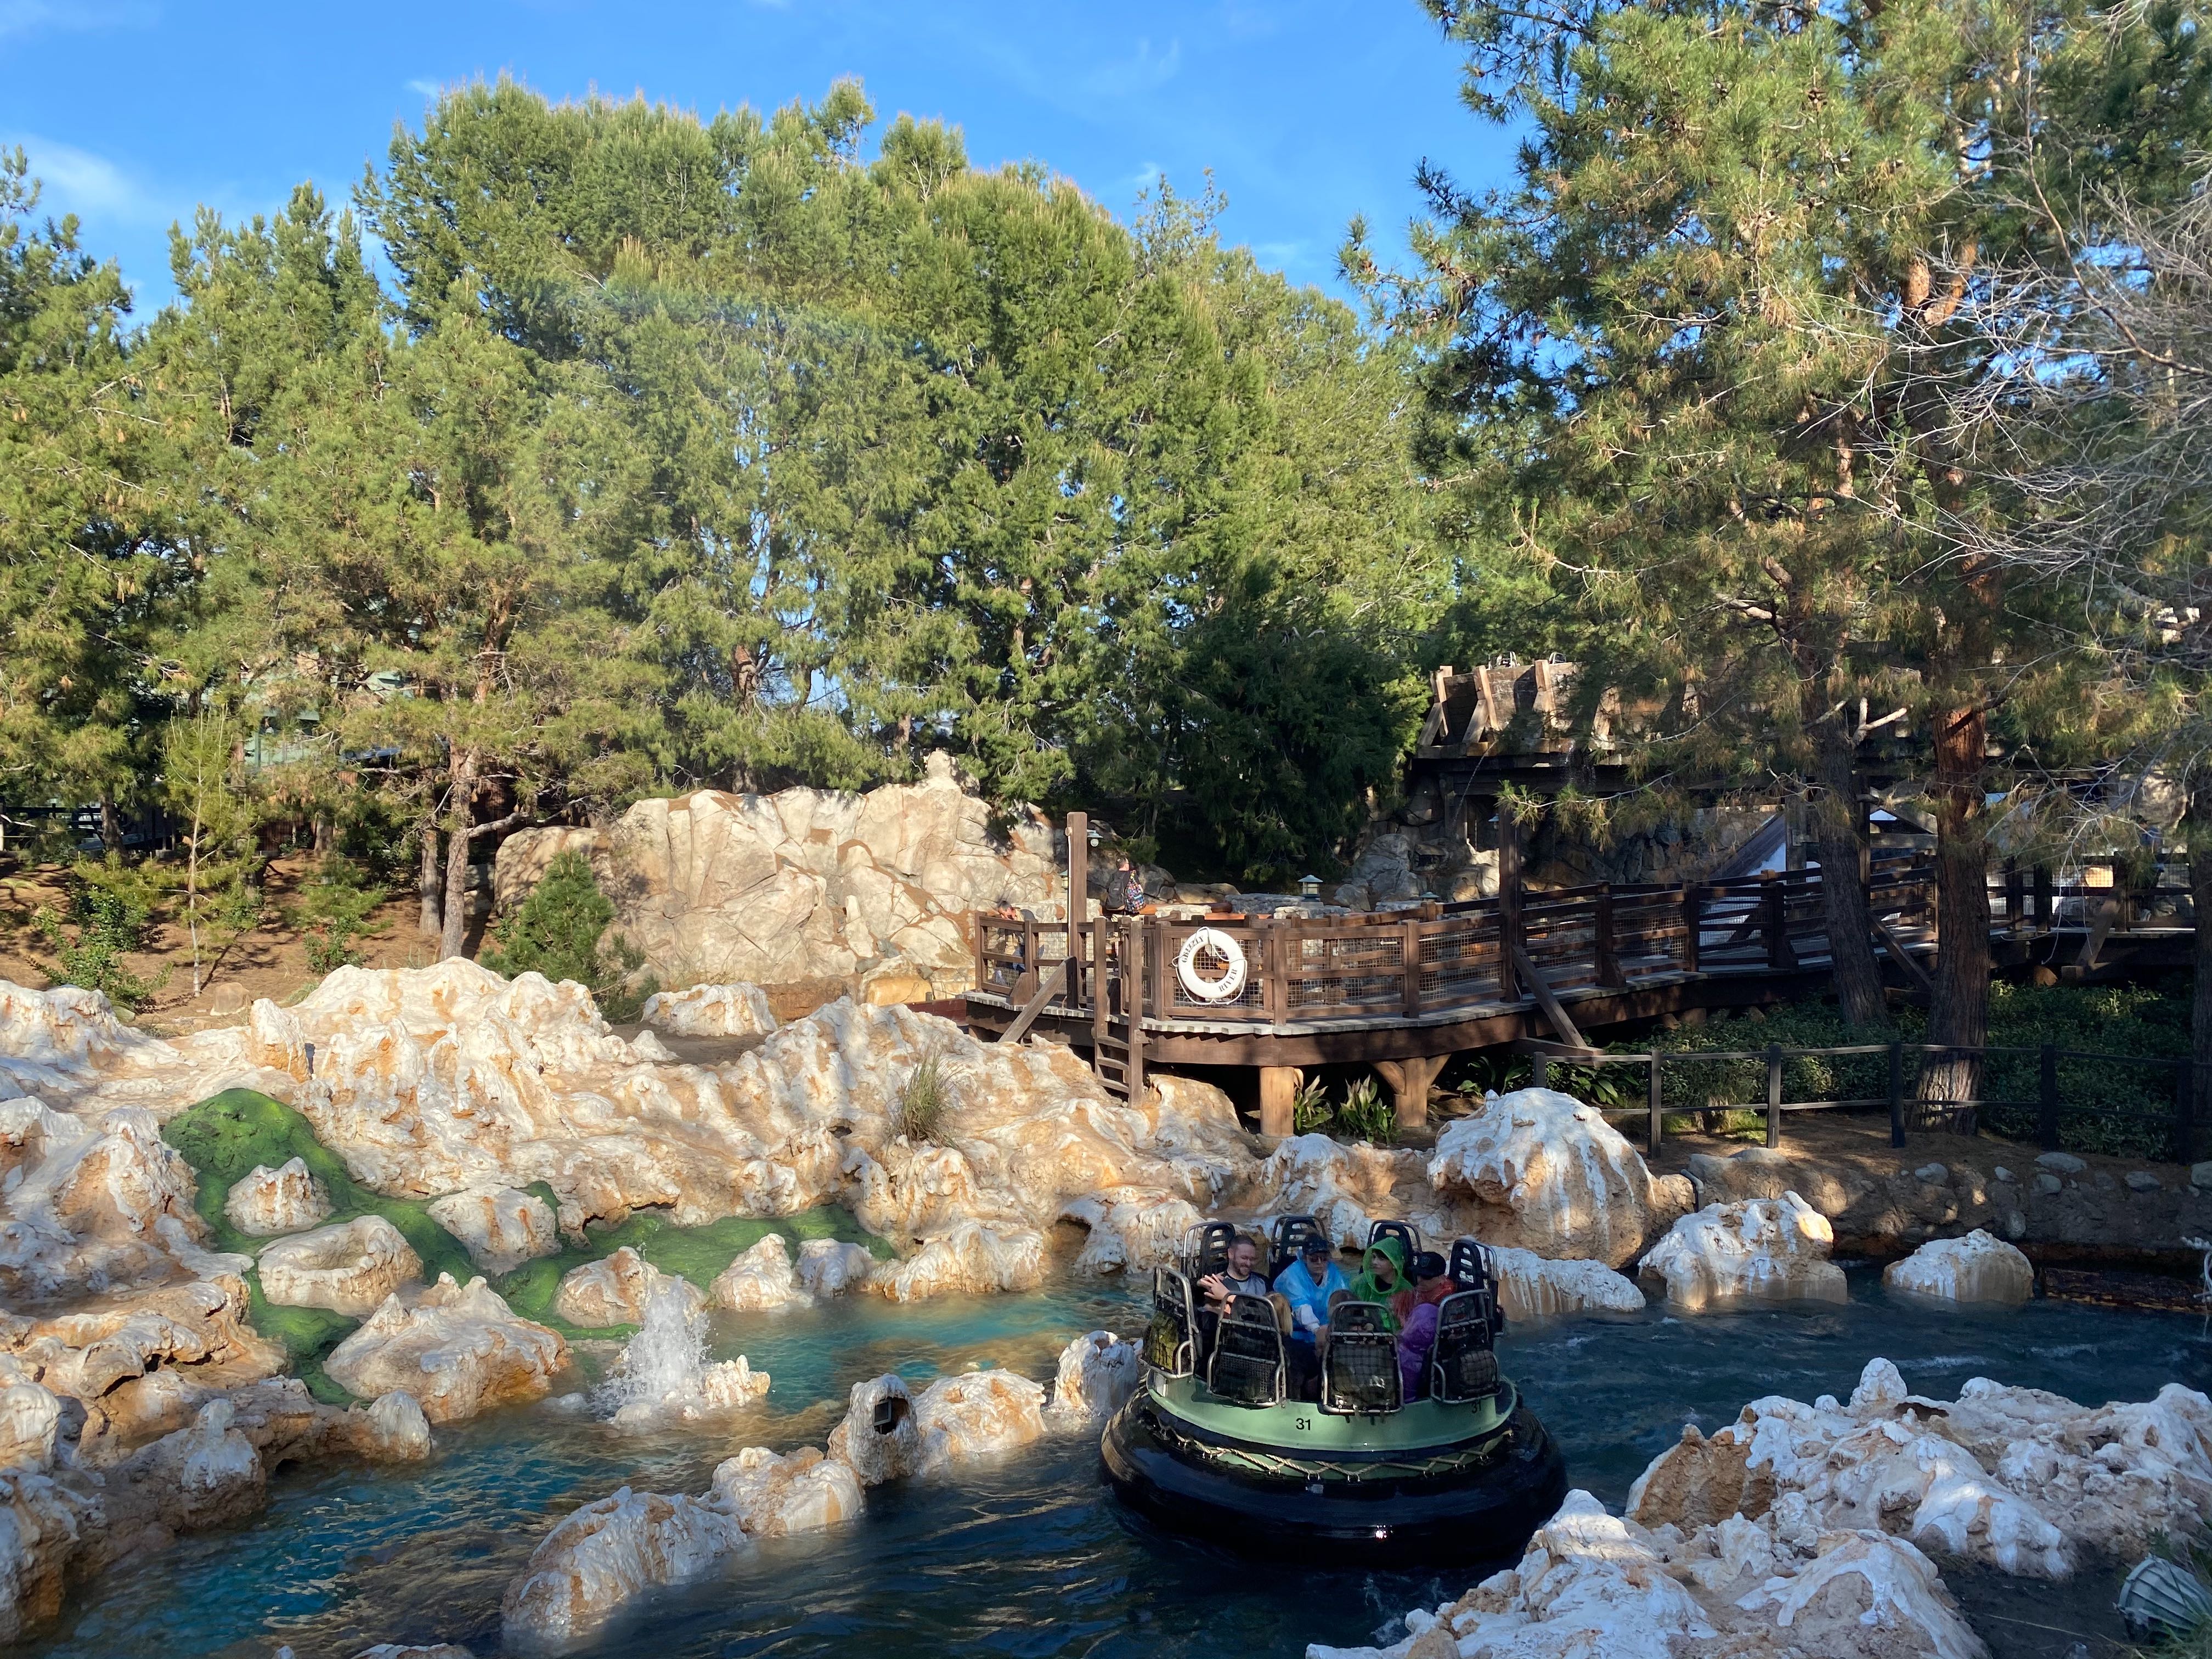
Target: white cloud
[21,17]
[427,88]
[91,186]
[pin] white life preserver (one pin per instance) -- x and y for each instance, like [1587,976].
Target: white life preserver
[1225,988]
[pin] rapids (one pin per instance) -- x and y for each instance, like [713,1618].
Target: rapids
[1028,1558]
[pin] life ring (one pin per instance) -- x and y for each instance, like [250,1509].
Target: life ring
[1225,988]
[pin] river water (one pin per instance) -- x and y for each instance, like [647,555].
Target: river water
[1028,1558]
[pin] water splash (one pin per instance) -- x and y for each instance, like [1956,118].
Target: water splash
[665,1373]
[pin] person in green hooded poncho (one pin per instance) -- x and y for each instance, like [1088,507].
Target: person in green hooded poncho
[1382,1279]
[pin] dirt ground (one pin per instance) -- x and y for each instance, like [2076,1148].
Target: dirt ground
[270,961]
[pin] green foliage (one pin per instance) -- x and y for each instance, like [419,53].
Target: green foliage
[923,1099]
[200,771]
[333,911]
[110,906]
[1310,1110]
[557,932]
[1365,1114]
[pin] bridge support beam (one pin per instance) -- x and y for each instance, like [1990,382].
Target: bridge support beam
[1278,1093]
[1409,1081]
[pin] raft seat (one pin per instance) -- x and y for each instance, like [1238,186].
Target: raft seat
[1248,1367]
[1469,1269]
[1359,1373]
[1287,1240]
[1206,1248]
[1170,1341]
[1462,1369]
[1408,1234]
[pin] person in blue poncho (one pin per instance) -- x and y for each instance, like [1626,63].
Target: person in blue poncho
[1307,1285]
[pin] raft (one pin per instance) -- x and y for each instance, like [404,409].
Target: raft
[1212,1444]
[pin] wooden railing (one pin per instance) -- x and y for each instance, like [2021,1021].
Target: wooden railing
[1434,961]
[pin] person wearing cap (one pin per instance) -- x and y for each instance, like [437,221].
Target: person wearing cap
[1307,1285]
[1431,1285]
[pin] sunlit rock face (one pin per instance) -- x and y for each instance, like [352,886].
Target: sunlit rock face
[711,1011]
[1531,1287]
[1976,1268]
[1775,1248]
[91,1203]
[605,1554]
[457,1349]
[1096,1375]
[499,1227]
[808,886]
[970,1259]
[1341,1186]
[616,1290]
[889,1432]
[350,1268]
[829,1267]
[773,1496]
[759,1280]
[1129,1229]
[1543,1172]
[264,1202]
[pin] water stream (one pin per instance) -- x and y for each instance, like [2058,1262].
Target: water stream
[1031,1557]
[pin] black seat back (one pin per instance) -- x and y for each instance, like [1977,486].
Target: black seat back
[1206,1248]
[1408,1234]
[1462,1367]
[1170,1344]
[1470,1270]
[1359,1373]
[1287,1239]
[1247,1368]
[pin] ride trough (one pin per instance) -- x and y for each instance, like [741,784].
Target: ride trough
[1213,1443]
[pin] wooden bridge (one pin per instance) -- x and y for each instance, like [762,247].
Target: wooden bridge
[1403,990]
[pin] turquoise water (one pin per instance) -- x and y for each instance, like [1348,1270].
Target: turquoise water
[1024,1560]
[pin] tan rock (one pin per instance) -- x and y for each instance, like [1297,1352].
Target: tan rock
[614,1290]
[1530,1287]
[1548,1174]
[711,1011]
[758,1279]
[499,1227]
[524,857]
[605,1554]
[829,1267]
[1129,1229]
[1976,1268]
[350,1268]
[773,1497]
[1096,1375]
[969,1259]
[1755,1247]
[286,1199]
[458,1349]
[955,1420]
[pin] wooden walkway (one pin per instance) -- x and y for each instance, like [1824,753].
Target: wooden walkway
[1403,990]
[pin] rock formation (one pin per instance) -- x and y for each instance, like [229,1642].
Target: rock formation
[890,1433]
[710,1011]
[828,1267]
[1097,1374]
[806,885]
[1529,1287]
[616,1289]
[350,1268]
[499,1227]
[286,1199]
[607,1552]
[457,1349]
[1975,1268]
[1764,1247]
[758,1279]
[665,1375]
[773,1496]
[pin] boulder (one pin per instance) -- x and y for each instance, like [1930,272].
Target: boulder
[1129,1229]
[499,1227]
[605,1554]
[1531,1287]
[90,1204]
[458,1349]
[969,1259]
[711,1011]
[828,1267]
[955,1420]
[1975,1268]
[760,1279]
[285,1199]
[350,1268]
[1098,1374]
[30,1423]
[614,1290]
[773,1496]
[1774,1248]
[1548,1174]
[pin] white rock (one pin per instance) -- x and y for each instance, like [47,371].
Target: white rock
[955,1420]
[30,1422]
[499,1227]
[615,1289]
[86,1200]
[285,1200]
[1097,1374]
[711,1011]
[38,1536]
[1129,1229]
[970,1258]
[1549,1175]
[758,1279]
[828,1267]
[459,1350]
[401,1431]
[801,1492]
[1976,1268]
[1341,1187]
[605,1554]
[350,1268]
[1896,1594]
[2063,1163]
[1762,1247]
[1531,1287]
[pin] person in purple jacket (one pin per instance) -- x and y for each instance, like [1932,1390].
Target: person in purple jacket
[1419,1337]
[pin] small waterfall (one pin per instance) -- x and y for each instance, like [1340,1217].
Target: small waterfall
[664,1372]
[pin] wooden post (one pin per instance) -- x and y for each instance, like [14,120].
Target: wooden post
[1693,915]
[1078,893]
[2046,1103]
[1608,944]
[1652,1133]
[1409,953]
[1278,1093]
[1099,989]
[1775,923]
[1275,990]
[2044,911]
[1773,1096]
[1539,1073]
[1409,1081]
[1897,1094]
[976,926]
[2016,895]
[1133,1003]
[1509,905]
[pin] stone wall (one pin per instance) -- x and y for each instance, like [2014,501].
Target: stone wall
[810,886]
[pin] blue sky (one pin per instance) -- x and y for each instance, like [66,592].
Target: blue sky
[136,110]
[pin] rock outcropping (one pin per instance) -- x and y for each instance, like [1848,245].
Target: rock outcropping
[1975,1268]
[457,1349]
[1762,1247]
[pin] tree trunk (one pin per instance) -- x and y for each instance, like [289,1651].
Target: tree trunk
[111,825]
[1961,1013]
[1839,849]
[430,918]
[461,807]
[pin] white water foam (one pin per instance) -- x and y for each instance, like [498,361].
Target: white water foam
[663,1373]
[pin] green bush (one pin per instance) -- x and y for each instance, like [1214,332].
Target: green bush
[1366,1115]
[111,908]
[557,932]
[334,910]
[1310,1110]
[919,1111]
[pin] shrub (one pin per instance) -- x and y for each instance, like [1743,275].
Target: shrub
[560,931]
[1365,1115]
[111,907]
[923,1099]
[334,910]
[1310,1109]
